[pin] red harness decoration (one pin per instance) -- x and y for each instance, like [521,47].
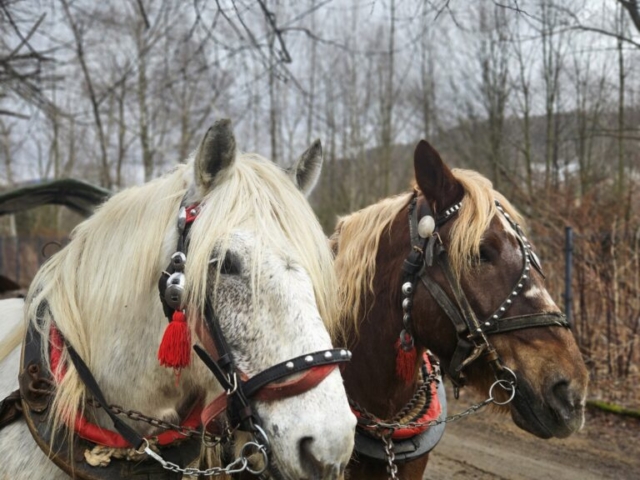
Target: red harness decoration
[432,413]
[406,361]
[102,436]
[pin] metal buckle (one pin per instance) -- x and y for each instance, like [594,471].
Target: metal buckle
[233,380]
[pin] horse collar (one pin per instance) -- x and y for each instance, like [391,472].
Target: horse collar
[37,385]
[416,430]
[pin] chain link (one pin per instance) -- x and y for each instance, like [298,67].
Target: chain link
[239,465]
[392,468]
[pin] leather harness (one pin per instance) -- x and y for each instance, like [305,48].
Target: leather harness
[408,443]
[472,333]
[428,250]
[37,385]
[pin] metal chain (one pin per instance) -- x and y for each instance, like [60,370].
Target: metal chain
[382,426]
[385,430]
[155,422]
[392,468]
[239,465]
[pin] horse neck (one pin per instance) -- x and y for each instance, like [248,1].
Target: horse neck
[370,378]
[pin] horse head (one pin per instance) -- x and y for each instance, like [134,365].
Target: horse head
[485,264]
[262,263]
[249,279]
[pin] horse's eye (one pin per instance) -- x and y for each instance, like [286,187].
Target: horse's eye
[485,257]
[229,266]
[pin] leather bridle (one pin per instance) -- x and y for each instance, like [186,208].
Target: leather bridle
[427,250]
[240,390]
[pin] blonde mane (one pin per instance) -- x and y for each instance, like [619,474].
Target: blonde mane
[357,239]
[108,273]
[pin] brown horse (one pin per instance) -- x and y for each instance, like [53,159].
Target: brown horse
[448,268]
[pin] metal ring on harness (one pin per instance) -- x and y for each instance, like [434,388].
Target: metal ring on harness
[502,383]
[244,453]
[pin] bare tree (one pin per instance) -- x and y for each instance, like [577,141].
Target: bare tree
[494,86]
[22,66]
[552,39]
[387,100]
[621,30]
[78,33]
[522,82]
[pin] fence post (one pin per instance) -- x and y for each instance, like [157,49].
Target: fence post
[568,261]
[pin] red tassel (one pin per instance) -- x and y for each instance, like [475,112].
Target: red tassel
[406,363]
[175,348]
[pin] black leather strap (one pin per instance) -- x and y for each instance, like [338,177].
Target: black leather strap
[225,357]
[212,365]
[446,304]
[239,407]
[290,367]
[509,324]
[129,434]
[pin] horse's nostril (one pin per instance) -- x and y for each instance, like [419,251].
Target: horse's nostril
[310,463]
[313,467]
[565,399]
[305,445]
[560,390]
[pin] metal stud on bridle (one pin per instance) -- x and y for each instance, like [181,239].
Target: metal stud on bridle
[426,226]
[412,267]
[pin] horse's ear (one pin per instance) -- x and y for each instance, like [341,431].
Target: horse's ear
[216,152]
[434,178]
[306,171]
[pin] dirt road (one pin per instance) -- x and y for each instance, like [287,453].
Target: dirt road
[489,446]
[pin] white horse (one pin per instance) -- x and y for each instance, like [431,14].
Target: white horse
[255,251]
